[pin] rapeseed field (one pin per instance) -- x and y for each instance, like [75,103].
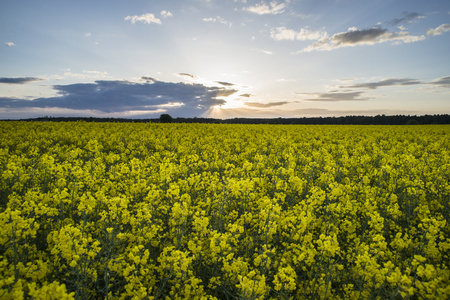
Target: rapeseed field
[195,211]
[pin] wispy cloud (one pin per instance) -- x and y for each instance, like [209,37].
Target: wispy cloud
[87,75]
[348,92]
[439,30]
[407,18]
[187,75]
[9,44]
[263,51]
[18,80]
[334,96]
[219,20]
[225,83]
[355,37]
[383,83]
[123,96]
[286,80]
[245,95]
[273,8]
[265,105]
[283,33]
[145,18]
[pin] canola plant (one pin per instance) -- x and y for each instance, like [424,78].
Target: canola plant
[195,211]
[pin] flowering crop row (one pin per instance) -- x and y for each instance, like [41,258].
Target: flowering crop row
[190,211]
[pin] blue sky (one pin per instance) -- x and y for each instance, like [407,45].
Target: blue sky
[224,58]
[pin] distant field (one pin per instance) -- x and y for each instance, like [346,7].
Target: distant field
[148,211]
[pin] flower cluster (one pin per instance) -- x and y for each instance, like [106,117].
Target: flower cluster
[196,211]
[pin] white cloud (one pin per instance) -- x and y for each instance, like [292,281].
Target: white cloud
[283,33]
[166,14]
[145,18]
[218,20]
[439,30]
[9,44]
[263,51]
[273,8]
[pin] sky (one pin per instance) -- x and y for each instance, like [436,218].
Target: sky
[224,58]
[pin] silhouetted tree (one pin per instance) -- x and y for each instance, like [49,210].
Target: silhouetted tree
[412,122]
[165,118]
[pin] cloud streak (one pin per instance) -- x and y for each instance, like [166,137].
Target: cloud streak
[187,75]
[267,52]
[347,92]
[383,83]
[9,44]
[18,80]
[355,37]
[442,82]
[123,96]
[225,83]
[334,96]
[407,18]
[265,105]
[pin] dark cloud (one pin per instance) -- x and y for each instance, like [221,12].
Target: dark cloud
[385,82]
[406,19]
[354,37]
[19,80]
[245,95]
[358,36]
[120,96]
[225,83]
[265,105]
[187,75]
[149,79]
[334,96]
[443,81]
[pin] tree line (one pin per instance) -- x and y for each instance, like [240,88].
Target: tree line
[342,120]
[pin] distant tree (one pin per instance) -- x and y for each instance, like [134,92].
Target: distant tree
[165,118]
[412,122]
